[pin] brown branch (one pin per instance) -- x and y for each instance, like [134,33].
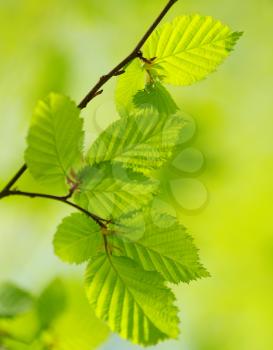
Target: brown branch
[134,54]
[64,199]
[14,179]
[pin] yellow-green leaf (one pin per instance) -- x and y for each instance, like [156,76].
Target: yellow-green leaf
[189,48]
[77,239]
[128,84]
[54,141]
[134,303]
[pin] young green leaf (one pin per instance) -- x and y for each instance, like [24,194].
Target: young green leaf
[156,96]
[135,303]
[13,300]
[158,243]
[128,84]
[54,140]
[142,142]
[110,190]
[189,48]
[77,239]
[51,303]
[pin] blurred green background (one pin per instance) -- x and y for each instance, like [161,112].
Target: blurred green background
[65,46]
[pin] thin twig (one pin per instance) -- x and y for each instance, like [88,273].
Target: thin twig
[16,177]
[154,25]
[134,54]
[100,221]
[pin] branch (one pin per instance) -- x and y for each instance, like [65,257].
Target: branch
[154,25]
[16,177]
[95,91]
[100,221]
[134,54]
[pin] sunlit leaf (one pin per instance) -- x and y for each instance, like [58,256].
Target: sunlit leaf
[189,48]
[77,239]
[156,96]
[54,140]
[134,303]
[128,84]
[109,190]
[159,243]
[142,142]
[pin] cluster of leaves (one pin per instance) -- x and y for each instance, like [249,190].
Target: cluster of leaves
[131,250]
[58,318]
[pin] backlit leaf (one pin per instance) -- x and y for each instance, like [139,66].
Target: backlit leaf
[189,48]
[142,142]
[156,96]
[134,303]
[54,140]
[110,190]
[77,239]
[128,84]
[51,303]
[158,243]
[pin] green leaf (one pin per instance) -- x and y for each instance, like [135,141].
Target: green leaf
[156,96]
[13,300]
[135,303]
[54,140]
[142,143]
[51,303]
[77,239]
[159,243]
[128,84]
[189,48]
[110,190]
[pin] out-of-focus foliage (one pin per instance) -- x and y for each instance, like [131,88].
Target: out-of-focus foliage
[60,319]
[64,46]
[51,303]
[13,300]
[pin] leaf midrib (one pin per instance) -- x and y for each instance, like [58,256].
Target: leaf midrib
[133,296]
[213,42]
